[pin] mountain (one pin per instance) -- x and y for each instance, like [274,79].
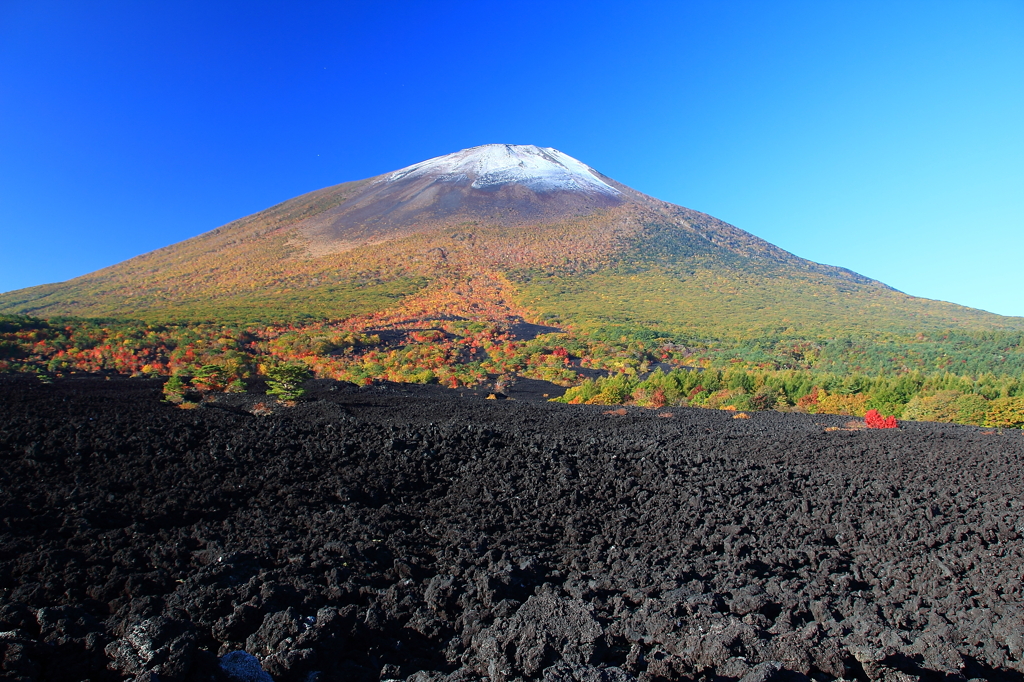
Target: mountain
[569,243]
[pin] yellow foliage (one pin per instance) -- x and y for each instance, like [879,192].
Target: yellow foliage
[854,405]
[1006,413]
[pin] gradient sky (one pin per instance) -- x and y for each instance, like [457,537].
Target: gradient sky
[885,137]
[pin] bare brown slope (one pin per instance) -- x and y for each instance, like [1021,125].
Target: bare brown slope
[356,247]
[372,230]
[252,253]
[383,210]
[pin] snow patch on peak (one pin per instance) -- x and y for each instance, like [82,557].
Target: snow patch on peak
[490,166]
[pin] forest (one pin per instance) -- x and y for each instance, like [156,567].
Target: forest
[956,377]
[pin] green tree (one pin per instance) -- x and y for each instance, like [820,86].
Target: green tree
[285,381]
[177,390]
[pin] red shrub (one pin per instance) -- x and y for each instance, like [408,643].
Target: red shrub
[876,421]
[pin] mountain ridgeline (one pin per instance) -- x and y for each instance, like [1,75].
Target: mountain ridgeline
[575,246]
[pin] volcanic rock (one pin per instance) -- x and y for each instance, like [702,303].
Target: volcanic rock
[503,540]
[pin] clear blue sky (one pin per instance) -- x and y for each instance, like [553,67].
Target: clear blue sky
[886,137]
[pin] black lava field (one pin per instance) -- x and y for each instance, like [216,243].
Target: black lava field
[396,533]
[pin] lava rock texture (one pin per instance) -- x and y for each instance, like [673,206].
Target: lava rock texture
[393,533]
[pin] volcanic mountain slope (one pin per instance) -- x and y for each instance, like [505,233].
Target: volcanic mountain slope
[576,243]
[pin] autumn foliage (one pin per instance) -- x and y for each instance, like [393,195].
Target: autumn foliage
[875,420]
[471,328]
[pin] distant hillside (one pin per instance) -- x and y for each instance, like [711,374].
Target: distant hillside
[577,245]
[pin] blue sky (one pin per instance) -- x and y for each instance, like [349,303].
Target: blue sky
[885,137]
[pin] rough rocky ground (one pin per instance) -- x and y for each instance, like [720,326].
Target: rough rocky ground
[389,533]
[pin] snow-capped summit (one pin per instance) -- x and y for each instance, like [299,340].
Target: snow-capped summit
[490,166]
[508,184]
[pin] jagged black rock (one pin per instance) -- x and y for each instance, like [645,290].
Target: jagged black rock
[391,532]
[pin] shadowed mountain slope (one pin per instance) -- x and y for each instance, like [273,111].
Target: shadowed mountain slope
[577,244]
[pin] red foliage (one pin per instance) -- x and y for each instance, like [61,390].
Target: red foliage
[876,421]
[809,399]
